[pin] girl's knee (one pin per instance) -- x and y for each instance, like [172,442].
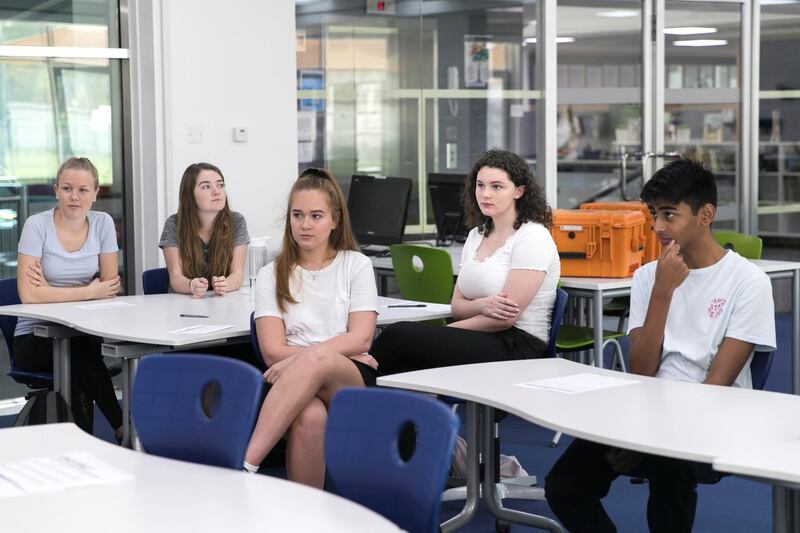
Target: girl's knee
[310,423]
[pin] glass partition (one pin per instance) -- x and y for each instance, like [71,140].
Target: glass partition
[52,108]
[779,121]
[702,44]
[599,76]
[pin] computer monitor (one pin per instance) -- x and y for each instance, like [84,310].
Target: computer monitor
[445,191]
[378,208]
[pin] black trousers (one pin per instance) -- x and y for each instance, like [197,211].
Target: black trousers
[90,379]
[582,477]
[407,346]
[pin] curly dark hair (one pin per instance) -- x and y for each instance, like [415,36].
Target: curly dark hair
[531,206]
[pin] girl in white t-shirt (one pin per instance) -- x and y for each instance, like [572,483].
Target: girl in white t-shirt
[507,284]
[315,310]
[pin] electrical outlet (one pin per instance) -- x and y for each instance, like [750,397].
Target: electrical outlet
[452,155]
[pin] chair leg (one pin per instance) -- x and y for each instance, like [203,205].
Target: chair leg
[617,359]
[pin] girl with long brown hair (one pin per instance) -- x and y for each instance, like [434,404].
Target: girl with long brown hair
[204,243]
[315,309]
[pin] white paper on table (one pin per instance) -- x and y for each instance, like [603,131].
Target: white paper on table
[575,383]
[200,329]
[104,305]
[61,472]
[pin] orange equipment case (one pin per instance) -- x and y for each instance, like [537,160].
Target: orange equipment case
[652,247]
[601,244]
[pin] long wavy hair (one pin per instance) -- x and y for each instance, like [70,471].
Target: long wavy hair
[530,207]
[341,237]
[220,246]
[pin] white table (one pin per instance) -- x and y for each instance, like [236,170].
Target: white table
[145,327]
[779,464]
[168,495]
[657,416]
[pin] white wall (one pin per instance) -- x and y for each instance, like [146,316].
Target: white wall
[217,65]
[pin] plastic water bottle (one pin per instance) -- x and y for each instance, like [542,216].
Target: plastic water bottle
[257,258]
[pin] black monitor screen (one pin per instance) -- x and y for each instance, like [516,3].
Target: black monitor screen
[378,208]
[448,212]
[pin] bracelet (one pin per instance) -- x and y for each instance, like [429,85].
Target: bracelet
[191,289]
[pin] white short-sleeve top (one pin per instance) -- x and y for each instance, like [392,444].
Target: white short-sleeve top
[731,298]
[531,247]
[325,298]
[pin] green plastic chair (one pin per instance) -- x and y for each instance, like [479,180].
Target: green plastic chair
[429,280]
[748,246]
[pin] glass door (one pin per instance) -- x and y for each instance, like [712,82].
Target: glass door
[703,57]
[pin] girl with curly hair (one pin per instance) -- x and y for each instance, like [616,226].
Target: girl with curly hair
[506,287]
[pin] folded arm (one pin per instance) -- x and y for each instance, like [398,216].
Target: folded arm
[33,287]
[501,311]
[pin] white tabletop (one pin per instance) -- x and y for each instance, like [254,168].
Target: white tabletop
[778,462]
[168,495]
[151,319]
[682,420]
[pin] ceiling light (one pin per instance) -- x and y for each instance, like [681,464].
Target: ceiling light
[689,30]
[559,40]
[702,42]
[619,13]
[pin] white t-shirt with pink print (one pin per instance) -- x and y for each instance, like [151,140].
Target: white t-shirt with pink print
[731,298]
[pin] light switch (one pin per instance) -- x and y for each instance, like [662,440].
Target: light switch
[195,134]
[239,134]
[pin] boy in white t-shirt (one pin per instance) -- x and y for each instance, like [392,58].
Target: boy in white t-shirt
[697,315]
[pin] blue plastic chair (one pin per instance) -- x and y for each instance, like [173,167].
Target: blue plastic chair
[254,343]
[34,380]
[155,281]
[556,318]
[364,460]
[196,408]
[759,369]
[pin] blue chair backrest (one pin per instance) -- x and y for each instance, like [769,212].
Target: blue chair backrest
[363,458]
[9,296]
[759,368]
[254,343]
[197,408]
[34,380]
[155,281]
[556,317]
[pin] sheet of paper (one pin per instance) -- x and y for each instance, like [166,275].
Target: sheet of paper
[61,472]
[104,305]
[200,329]
[575,383]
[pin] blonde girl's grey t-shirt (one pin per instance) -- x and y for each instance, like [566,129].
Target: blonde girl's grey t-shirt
[60,267]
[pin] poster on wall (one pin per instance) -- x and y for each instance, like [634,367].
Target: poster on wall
[312,80]
[476,61]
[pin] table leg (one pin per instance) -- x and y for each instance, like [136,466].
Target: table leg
[597,303]
[129,436]
[473,471]
[62,379]
[796,332]
[489,490]
[785,509]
